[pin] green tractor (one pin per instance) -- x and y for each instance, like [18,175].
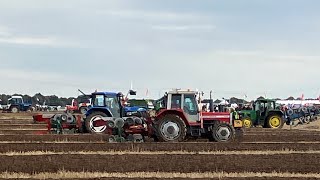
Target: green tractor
[265,113]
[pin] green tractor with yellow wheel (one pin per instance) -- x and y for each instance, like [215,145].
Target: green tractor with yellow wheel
[264,113]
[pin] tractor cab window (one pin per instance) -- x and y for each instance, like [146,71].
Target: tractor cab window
[15,101]
[190,105]
[19,101]
[257,106]
[260,106]
[176,101]
[98,100]
[113,104]
[11,101]
[161,103]
[271,105]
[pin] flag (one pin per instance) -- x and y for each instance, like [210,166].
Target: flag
[302,96]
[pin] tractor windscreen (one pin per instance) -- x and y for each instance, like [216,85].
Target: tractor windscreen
[15,101]
[112,103]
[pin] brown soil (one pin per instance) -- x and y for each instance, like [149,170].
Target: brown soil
[6,121]
[189,147]
[298,163]
[31,135]
[22,126]
[222,178]
[54,137]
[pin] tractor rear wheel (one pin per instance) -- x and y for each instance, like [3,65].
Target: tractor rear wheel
[171,128]
[95,124]
[223,132]
[274,121]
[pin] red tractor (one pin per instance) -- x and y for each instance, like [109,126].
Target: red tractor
[178,116]
[78,108]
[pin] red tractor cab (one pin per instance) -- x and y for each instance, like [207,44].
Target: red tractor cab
[178,116]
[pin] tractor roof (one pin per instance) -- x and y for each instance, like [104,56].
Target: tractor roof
[105,93]
[179,91]
[16,97]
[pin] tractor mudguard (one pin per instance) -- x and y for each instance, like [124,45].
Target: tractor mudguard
[102,109]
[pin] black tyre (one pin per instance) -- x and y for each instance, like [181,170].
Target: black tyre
[171,128]
[290,112]
[83,110]
[93,119]
[70,111]
[307,119]
[223,132]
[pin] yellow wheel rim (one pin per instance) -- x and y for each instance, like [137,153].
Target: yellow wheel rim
[275,121]
[247,123]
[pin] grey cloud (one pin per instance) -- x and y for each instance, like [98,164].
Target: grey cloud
[156,48]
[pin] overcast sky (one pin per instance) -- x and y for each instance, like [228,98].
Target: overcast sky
[235,47]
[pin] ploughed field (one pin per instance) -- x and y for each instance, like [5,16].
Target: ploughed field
[26,152]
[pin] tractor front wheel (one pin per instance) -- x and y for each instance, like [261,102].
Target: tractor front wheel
[223,132]
[83,110]
[171,128]
[274,121]
[14,109]
[95,124]
[247,123]
[70,111]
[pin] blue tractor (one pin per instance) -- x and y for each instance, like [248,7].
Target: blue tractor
[108,105]
[16,104]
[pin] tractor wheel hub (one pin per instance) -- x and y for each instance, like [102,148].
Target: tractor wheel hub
[170,130]
[224,133]
[97,124]
[275,122]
